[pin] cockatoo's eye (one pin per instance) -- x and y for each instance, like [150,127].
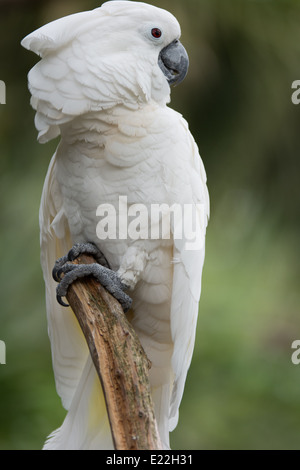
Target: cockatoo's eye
[156,33]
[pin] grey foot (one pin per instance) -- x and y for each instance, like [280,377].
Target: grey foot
[107,278]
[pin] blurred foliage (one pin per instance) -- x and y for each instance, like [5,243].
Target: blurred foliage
[242,390]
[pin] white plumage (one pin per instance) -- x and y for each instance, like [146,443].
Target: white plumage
[100,87]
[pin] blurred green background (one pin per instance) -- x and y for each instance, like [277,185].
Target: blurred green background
[242,392]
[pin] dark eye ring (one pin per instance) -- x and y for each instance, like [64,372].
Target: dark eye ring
[156,33]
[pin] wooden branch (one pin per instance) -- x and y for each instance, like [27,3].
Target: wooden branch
[120,361]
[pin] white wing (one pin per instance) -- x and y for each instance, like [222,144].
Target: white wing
[69,350]
[86,425]
[187,274]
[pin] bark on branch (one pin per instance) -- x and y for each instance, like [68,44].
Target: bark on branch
[120,361]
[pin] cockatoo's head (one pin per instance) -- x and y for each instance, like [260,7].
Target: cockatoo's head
[153,32]
[124,52]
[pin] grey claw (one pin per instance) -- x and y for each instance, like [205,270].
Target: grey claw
[60,301]
[65,282]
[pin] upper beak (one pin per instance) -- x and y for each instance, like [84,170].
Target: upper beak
[174,62]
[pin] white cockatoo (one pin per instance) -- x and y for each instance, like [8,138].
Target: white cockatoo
[103,85]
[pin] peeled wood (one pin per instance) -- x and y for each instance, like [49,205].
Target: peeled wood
[120,361]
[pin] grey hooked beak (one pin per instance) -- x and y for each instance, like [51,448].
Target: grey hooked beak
[174,62]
